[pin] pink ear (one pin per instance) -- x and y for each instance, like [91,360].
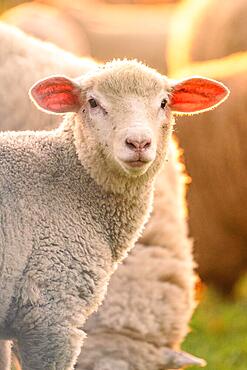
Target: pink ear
[197,94]
[56,94]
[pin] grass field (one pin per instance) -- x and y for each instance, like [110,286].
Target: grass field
[219,331]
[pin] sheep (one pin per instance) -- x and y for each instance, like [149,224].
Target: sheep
[226,59]
[49,24]
[75,199]
[232,36]
[110,29]
[197,23]
[167,226]
[171,230]
[216,197]
[24,60]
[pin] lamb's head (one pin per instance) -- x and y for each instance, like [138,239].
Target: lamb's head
[124,112]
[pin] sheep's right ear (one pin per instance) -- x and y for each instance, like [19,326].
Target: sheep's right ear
[56,95]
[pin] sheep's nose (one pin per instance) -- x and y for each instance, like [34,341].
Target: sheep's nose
[138,145]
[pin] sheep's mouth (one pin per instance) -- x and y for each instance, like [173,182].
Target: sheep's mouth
[136,164]
[135,167]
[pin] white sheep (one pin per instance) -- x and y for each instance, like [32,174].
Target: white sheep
[75,199]
[49,23]
[167,227]
[212,204]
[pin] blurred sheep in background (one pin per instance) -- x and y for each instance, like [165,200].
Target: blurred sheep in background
[218,193]
[209,37]
[112,30]
[204,30]
[24,60]
[49,24]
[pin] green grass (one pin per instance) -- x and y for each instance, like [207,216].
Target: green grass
[219,331]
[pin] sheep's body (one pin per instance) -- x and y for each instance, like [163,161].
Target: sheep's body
[24,60]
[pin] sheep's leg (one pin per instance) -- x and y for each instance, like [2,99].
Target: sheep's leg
[5,355]
[55,348]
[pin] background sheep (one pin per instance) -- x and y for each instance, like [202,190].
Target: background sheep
[49,24]
[231,22]
[214,201]
[196,23]
[106,32]
[23,61]
[218,190]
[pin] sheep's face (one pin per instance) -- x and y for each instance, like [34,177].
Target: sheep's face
[124,112]
[130,129]
[127,116]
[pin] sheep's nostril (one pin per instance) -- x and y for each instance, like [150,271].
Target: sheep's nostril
[132,144]
[145,144]
[138,145]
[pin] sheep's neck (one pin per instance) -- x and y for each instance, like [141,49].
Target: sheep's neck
[123,217]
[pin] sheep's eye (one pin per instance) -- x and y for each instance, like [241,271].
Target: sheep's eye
[163,103]
[93,103]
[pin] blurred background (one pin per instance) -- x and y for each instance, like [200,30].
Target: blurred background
[182,38]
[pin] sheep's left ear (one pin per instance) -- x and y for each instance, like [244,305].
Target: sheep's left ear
[56,95]
[197,94]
